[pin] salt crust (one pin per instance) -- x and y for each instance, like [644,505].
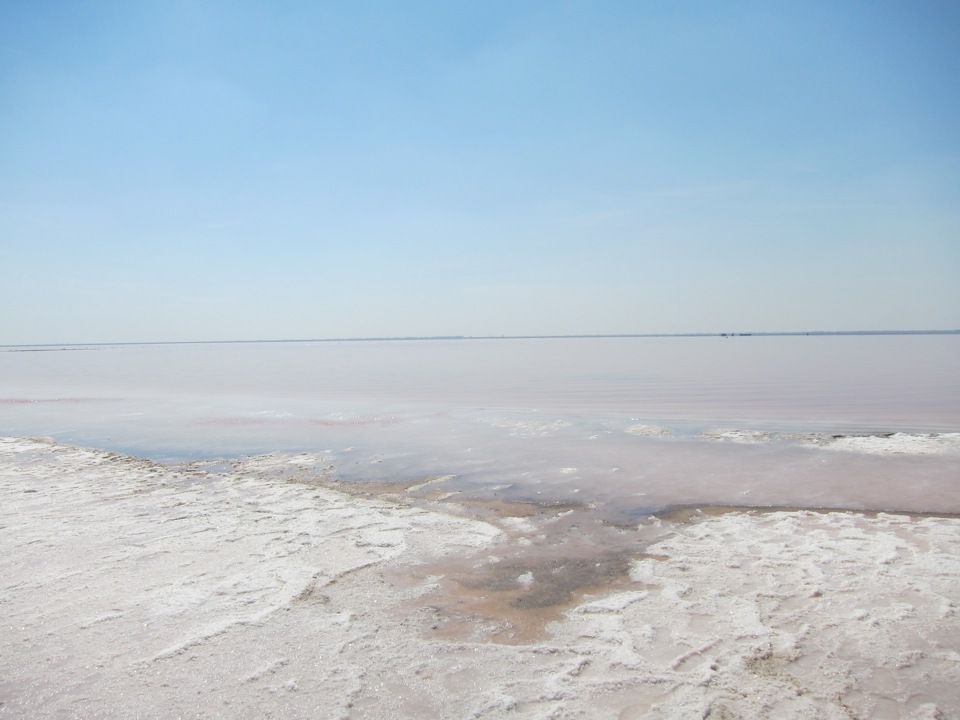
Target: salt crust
[134,590]
[648,430]
[886,444]
[530,428]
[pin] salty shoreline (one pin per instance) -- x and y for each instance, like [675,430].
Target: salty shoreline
[138,590]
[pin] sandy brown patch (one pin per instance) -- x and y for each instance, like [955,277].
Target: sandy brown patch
[551,559]
[512,601]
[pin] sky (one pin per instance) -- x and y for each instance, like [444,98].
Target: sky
[213,170]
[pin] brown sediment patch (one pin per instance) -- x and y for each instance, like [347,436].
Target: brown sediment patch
[512,601]
[498,606]
[553,556]
[495,509]
[440,492]
[390,490]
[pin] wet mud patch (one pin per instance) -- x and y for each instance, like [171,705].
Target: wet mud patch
[546,583]
[512,602]
[553,554]
[550,561]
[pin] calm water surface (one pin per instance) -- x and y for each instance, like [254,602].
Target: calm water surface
[538,418]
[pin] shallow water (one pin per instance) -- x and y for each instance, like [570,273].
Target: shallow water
[611,421]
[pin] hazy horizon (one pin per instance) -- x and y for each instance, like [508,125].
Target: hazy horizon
[585,336]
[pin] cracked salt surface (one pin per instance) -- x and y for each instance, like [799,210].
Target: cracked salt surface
[136,590]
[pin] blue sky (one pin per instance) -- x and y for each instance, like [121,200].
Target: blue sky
[252,170]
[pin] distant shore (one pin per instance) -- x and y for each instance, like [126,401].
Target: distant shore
[799,333]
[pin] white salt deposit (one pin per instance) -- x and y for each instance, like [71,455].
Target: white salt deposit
[647,430]
[740,436]
[786,615]
[900,443]
[897,443]
[135,590]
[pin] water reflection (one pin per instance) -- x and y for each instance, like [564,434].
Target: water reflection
[616,420]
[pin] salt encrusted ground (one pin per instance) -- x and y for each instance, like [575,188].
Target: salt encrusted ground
[884,444]
[137,591]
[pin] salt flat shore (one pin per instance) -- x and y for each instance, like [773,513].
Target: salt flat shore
[136,590]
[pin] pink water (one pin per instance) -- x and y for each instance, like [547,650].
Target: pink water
[533,418]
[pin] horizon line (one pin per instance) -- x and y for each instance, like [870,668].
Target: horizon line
[774,333]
